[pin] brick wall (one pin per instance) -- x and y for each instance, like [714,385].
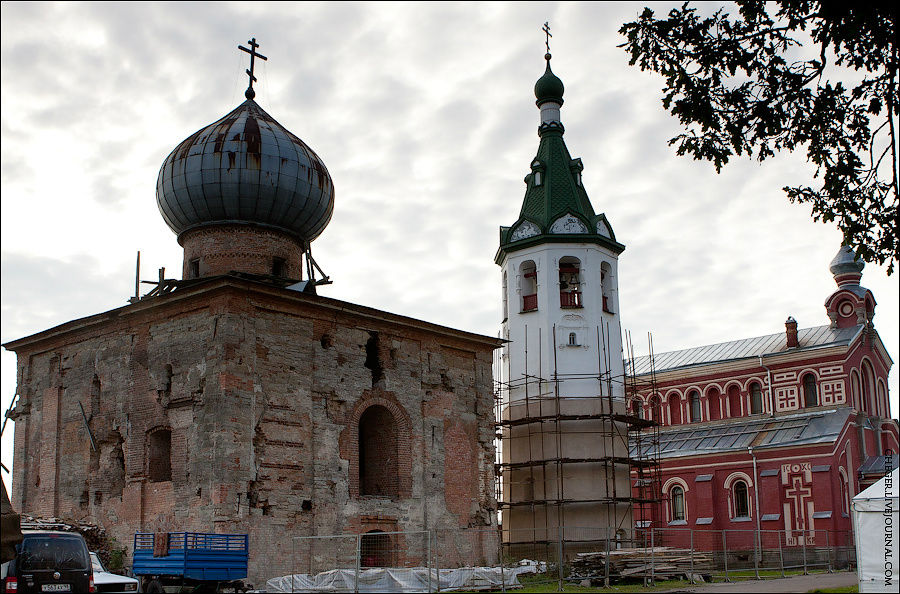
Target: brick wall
[263,393]
[242,248]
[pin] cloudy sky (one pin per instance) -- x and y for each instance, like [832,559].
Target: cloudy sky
[424,114]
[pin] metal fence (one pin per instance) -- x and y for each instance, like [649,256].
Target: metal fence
[469,559]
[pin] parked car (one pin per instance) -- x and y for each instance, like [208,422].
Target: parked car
[50,561]
[107,582]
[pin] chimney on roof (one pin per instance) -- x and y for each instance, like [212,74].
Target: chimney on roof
[790,327]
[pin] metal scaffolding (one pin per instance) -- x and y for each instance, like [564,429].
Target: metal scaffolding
[539,472]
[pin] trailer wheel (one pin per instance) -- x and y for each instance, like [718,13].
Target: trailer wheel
[155,587]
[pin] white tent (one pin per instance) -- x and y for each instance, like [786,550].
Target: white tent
[875,525]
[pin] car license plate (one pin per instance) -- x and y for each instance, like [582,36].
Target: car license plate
[56,588]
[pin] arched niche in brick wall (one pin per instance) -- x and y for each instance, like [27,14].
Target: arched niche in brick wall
[377,439]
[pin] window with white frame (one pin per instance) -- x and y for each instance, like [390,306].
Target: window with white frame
[676,504]
[741,497]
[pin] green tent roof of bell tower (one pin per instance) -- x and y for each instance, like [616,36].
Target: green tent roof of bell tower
[556,207]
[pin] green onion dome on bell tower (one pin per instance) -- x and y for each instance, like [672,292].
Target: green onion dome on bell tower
[549,87]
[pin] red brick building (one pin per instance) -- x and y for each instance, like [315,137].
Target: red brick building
[236,399]
[775,432]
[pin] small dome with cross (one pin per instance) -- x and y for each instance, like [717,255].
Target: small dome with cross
[246,168]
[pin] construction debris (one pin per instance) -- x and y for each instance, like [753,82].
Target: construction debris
[95,536]
[641,563]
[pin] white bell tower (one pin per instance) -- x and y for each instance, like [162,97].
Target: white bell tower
[564,446]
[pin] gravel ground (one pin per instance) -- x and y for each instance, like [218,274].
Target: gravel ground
[800,583]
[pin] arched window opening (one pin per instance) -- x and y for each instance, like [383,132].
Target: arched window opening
[868,381]
[714,399]
[528,271]
[810,395]
[279,267]
[378,470]
[655,409]
[636,408]
[883,403]
[573,339]
[605,286]
[855,390]
[159,455]
[694,399]
[505,297]
[741,500]
[569,282]
[756,406]
[845,496]
[676,504]
[375,549]
[674,410]
[734,401]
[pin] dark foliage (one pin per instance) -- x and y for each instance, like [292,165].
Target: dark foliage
[739,87]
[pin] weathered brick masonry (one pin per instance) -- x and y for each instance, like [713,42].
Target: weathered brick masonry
[236,406]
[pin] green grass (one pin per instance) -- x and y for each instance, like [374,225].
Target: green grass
[835,590]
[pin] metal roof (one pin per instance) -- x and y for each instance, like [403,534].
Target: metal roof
[809,338]
[822,426]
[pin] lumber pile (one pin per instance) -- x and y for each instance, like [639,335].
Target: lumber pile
[640,563]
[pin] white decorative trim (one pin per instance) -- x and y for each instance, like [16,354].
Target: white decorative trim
[603,229]
[525,230]
[568,223]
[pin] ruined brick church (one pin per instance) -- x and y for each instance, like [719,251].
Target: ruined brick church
[236,399]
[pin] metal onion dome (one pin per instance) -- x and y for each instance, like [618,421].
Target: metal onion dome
[246,168]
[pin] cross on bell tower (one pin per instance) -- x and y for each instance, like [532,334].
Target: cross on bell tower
[546,30]
[250,93]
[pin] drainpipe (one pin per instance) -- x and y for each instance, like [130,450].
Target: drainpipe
[771,394]
[756,496]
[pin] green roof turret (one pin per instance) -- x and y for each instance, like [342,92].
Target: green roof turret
[549,87]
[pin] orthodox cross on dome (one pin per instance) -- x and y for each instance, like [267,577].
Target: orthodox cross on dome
[546,30]
[250,93]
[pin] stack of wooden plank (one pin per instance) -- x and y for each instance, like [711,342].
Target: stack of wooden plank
[640,563]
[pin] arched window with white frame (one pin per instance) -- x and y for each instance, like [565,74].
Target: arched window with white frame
[655,409]
[738,486]
[734,401]
[606,286]
[694,401]
[675,409]
[868,391]
[810,391]
[676,504]
[756,402]
[883,399]
[675,496]
[741,497]
[570,282]
[528,285]
[855,390]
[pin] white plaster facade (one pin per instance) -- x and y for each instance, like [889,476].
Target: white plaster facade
[539,339]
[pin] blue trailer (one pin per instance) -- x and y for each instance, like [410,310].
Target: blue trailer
[191,561]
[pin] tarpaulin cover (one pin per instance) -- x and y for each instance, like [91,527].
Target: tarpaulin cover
[875,525]
[391,579]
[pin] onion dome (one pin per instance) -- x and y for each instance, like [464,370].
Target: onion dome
[549,87]
[846,262]
[245,168]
